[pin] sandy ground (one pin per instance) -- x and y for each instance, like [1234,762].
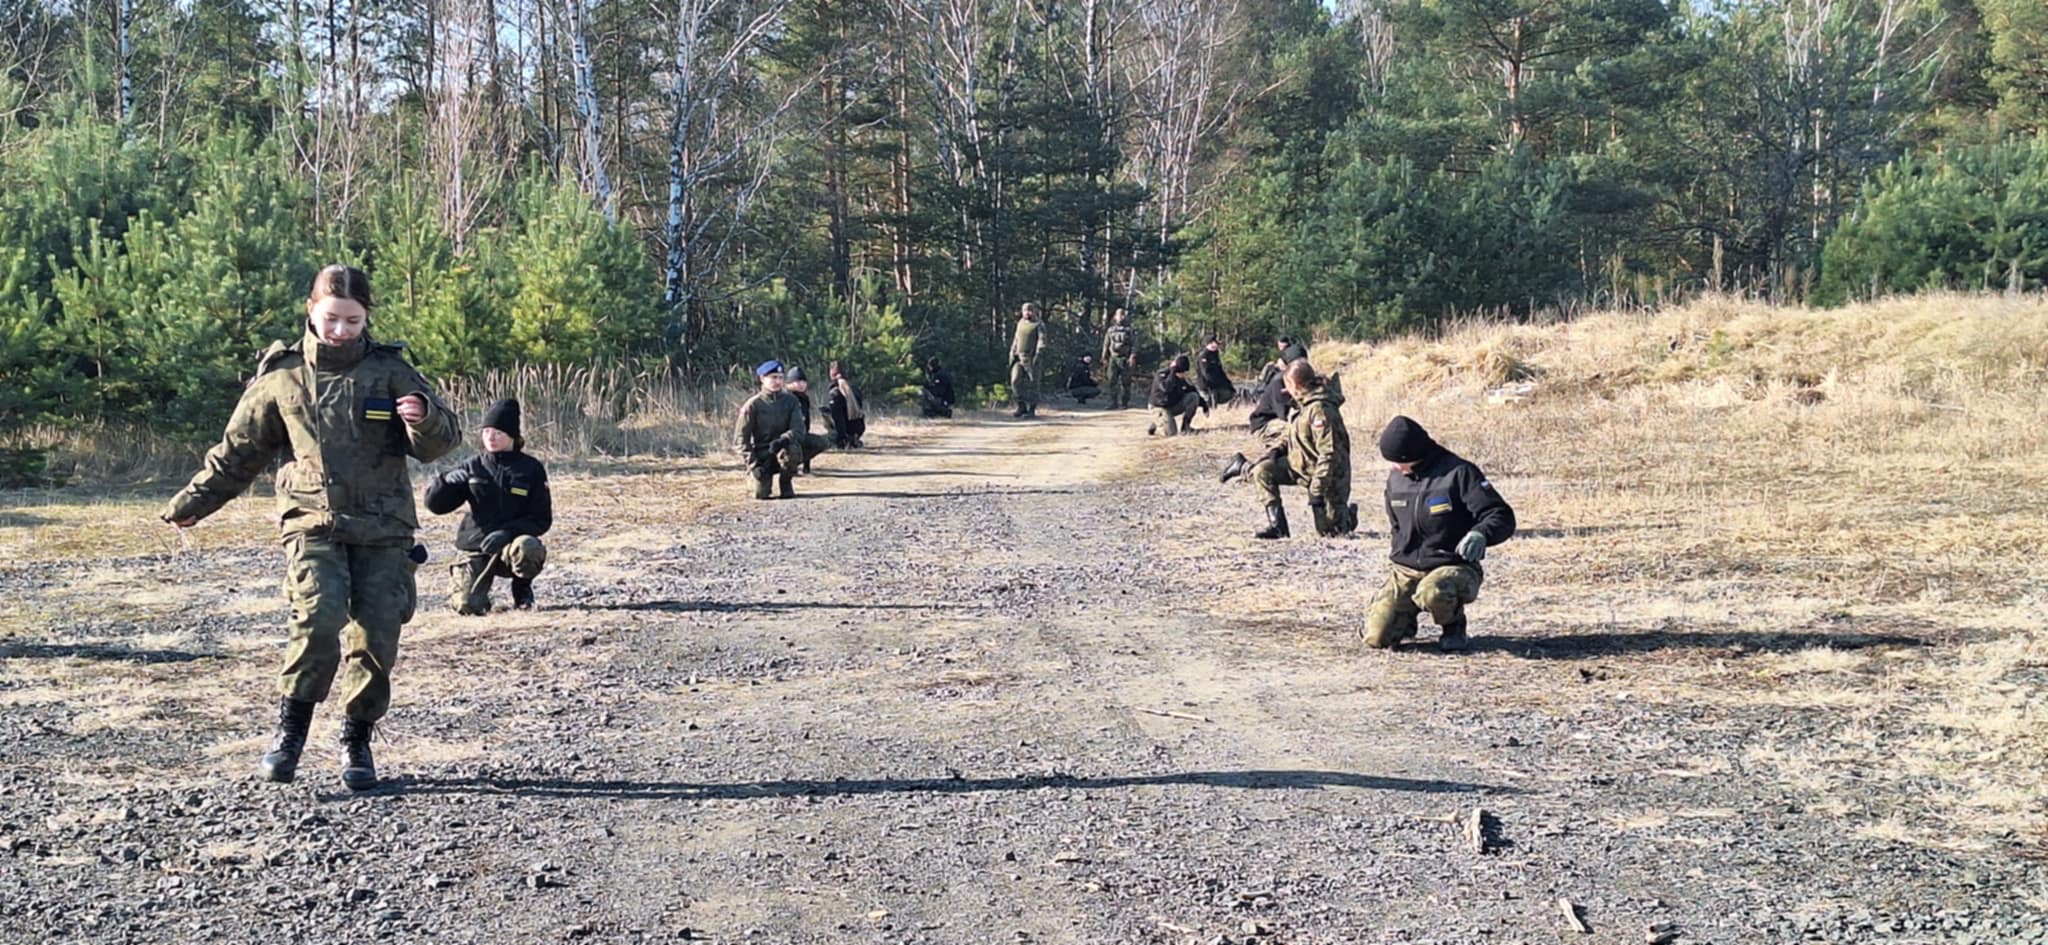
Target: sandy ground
[989,681]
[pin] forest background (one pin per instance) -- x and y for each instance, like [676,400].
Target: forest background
[675,188]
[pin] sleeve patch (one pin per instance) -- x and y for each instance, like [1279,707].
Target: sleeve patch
[520,491]
[1484,484]
[1317,423]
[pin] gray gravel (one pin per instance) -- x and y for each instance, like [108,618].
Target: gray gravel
[913,709]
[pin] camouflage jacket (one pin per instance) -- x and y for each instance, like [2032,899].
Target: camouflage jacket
[1119,343]
[764,417]
[337,423]
[1318,446]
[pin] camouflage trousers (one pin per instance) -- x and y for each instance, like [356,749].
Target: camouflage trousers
[1272,472]
[1273,436]
[1119,383]
[469,580]
[1443,592]
[1024,383]
[1177,419]
[348,603]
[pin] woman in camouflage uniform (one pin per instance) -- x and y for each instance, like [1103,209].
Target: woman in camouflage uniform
[346,412]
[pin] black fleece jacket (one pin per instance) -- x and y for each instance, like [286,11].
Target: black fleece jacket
[1429,510]
[505,491]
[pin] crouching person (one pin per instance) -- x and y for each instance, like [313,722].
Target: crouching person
[769,434]
[1173,400]
[509,509]
[1443,514]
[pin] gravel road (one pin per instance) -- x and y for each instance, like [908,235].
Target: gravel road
[975,685]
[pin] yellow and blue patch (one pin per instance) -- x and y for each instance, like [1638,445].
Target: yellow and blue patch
[1438,505]
[378,408]
[519,491]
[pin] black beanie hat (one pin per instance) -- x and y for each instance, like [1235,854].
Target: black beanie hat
[1405,441]
[794,375]
[504,417]
[1180,363]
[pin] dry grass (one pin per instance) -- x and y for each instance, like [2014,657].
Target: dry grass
[1740,489]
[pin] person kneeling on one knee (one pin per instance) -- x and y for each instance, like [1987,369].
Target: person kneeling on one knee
[1315,452]
[1173,400]
[1443,514]
[509,509]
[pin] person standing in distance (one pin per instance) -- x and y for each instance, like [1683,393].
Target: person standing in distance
[348,411]
[1443,514]
[510,507]
[1025,346]
[1120,359]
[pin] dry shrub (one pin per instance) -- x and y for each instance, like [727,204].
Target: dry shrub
[1727,464]
[571,414]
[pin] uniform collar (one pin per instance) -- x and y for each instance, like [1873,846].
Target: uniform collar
[326,357]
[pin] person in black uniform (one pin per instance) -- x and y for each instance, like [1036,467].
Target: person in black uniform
[1443,514]
[1210,379]
[1081,380]
[509,509]
[1271,411]
[1173,400]
[937,397]
[799,386]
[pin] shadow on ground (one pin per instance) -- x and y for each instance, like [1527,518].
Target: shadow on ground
[944,493]
[1568,646]
[685,790]
[107,652]
[761,606]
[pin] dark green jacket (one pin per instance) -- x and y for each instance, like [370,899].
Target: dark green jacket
[764,417]
[333,413]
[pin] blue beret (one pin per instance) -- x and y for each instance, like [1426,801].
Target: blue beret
[767,368]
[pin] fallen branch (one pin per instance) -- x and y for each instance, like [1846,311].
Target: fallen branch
[1172,715]
[1571,914]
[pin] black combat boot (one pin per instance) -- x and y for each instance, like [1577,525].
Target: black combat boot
[1454,639]
[358,769]
[1276,523]
[786,488]
[522,593]
[281,763]
[1237,466]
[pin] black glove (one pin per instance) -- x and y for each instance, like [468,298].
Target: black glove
[496,542]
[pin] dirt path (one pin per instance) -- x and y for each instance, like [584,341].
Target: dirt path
[1003,682]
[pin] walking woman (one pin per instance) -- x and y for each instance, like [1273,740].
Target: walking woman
[346,411]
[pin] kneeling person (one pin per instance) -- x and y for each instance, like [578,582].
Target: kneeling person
[1173,400]
[1443,514]
[1316,453]
[509,509]
[769,434]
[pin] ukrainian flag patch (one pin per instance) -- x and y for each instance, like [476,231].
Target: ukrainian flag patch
[519,490]
[1439,505]
[378,408]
